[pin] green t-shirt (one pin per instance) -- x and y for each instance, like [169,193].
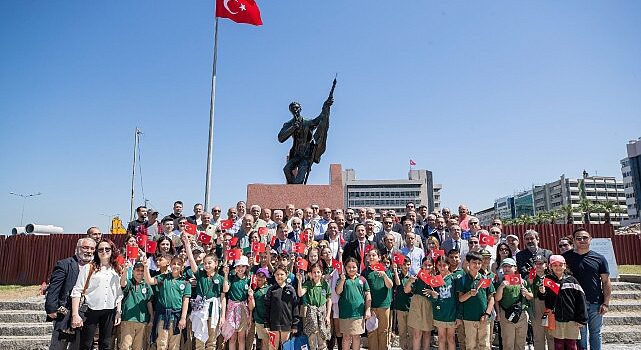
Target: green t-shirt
[171,291]
[401,301]
[381,295]
[317,294]
[444,306]
[351,303]
[474,307]
[418,286]
[238,288]
[259,299]
[512,294]
[208,287]
[134,302]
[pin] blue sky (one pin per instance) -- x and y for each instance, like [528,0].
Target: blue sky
[492,97]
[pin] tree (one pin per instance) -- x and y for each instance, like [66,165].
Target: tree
[586,207]
[609,207]
[567,212]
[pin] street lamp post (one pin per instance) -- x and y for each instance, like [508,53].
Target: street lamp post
[24,200]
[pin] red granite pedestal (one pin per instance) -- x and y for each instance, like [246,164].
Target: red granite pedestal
[301,196]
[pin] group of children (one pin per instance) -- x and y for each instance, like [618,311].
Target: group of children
[203,299]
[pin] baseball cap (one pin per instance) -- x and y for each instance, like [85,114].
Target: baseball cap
[540,258]
[512,236]
[508,261]
[557,259]
[242,261]
[485,252]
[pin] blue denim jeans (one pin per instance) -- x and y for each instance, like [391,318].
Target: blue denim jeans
[595,321]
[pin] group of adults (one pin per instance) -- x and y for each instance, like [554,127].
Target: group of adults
[93,274]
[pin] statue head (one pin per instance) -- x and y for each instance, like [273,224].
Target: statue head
[295,108]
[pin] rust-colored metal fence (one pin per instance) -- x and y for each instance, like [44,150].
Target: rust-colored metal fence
[29,259]
[627,248]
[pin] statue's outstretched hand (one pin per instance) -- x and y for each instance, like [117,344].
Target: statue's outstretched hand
[329,102]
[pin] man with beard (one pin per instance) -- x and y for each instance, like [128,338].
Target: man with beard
[440,231]
[177,213]
[197,218]
[57,302]
[141,220]
[525,258]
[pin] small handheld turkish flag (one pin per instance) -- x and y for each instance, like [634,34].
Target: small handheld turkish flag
[226,224]
[233,241]
[337,265]
[514,280]
[239,11]
[120,260]
[258,247]
[378,267]
[132,252]
[151,247]
[141,229]
[437,253]
[399,259]
[484,283]
[273,241]
[486,239]
[304,236]
[272,339]
[552,285]
[141,239]
[252,281]
[204,238]
[298,248]
[342,241]
[424,276]
[532,273]
[234,254]
[301,264]
[436,281]
[262,231]
[190,228]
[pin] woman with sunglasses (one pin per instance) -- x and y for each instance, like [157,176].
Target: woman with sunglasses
[99,283]
[503,251]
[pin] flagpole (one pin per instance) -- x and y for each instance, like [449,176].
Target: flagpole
[212,103]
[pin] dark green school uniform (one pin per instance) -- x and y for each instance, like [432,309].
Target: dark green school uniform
[512,294]
[238,288]
[171,292]
[317,294]
[208,287]
[444,306]
[419,286]
[474,307]
[381,295]
[134,302]
[259,310]
[401,301]
[351,303]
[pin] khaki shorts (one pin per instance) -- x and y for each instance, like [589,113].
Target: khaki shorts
[566,330]
[420,314]
[261,332]
[444,324]
[352,326]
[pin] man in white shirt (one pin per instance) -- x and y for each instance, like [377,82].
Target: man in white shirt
[370,214]
[414,253]
[321,225]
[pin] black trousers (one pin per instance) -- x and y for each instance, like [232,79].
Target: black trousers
[103,320]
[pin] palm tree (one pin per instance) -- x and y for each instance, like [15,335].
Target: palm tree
[554,215]
[586,207]
[567,211]
[542,217]
[609,207]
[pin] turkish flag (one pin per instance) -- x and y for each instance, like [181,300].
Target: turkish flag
[532,273]
[233,241]
[132,252]
[302,264]
[262,231]
[337,265]
[298,248]
[234,254]
[514,280]
[151,247]
[239,11]
[272,339]
[190,228]
[368,248]
[204,238]
[412,162]
[436,281]
[378,267]
[486,239]
[120,260]
[552,285]
[258,247]
[252,281]
[304,236]
[273,241]
[399,259]
[424,276]
[141,239]
[342,241]
[141,229]
[437,253]
[484,283]
[226,224]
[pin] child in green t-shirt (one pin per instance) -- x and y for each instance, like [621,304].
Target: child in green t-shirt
[256,303]
[380,286]
[236,289]
[401,301]
[354,304]
[537,309]
[315,296]
[420,318]
[514,323]
[477,301]
[444,305]
[136,308]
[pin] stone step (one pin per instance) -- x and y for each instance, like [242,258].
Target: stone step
[625,286]
[29,304]
[622,318]
[622,334]
[625,305]
[25,329]
[626,294]
[22,316]
[23,342]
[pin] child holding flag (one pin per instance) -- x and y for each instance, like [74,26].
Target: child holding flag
[380,283]
[538,311]
[236,289]
[444,305]
[136,308]
[565,297]
[476,295]
[401,300]
[354,304]
[316,297]
[420,318]
[513,316]
[257,306]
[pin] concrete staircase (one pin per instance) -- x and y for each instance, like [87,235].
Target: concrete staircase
[23,325]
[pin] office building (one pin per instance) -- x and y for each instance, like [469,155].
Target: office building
[631,170]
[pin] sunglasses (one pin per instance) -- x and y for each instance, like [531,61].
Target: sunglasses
[496,224]
[104,250]
[563,245]
[474,242]
[581,238]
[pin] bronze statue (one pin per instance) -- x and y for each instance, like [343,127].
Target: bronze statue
[307,148]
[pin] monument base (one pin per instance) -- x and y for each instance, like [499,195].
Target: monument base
[301,196]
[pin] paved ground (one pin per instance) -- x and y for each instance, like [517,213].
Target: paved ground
[604,347]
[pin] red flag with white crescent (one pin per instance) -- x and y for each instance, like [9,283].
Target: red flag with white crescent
[239,11]
[552,285]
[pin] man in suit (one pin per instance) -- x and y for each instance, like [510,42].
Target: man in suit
[440,232]
[357,248]
[57,302]
[282,244]
[455,241]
